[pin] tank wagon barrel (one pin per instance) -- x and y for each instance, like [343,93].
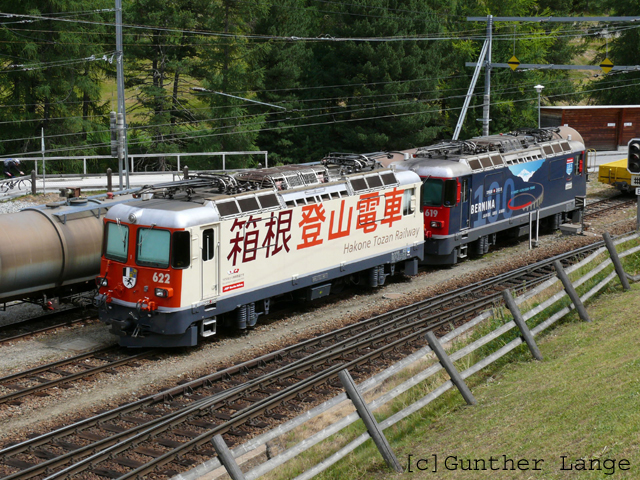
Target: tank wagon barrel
[52,250]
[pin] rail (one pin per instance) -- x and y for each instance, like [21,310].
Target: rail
[385,398]
[220,399]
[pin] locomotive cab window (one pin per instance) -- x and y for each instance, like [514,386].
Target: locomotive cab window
[431,194]
[116,242]
[153,247]
[207,244]
[181,250]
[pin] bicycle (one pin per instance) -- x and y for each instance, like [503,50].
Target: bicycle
[18,183]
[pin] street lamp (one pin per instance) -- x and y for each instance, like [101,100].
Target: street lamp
[539,90]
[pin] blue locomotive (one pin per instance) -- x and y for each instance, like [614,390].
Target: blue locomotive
[473,190]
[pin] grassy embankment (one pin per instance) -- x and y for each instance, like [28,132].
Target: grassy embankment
[582,402]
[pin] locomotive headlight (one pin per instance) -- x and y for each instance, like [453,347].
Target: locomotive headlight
[133,218]
[101,282]
[436,224]
[164,292]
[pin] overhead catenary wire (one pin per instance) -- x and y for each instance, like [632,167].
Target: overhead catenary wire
[502,91]
[352,108]
[195,32]
[185,136]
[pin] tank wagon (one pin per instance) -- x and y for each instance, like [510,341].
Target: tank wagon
[214,250]
[53,250]
[476,189]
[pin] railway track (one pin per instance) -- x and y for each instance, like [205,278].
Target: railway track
[607,206]
[37,380]
[44,323]
[171,430]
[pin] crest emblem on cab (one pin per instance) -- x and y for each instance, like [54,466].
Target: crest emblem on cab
[129,276]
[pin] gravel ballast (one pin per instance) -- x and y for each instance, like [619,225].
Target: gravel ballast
[38,415]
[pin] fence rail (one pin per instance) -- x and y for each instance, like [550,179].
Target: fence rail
[132,157]
[369,384]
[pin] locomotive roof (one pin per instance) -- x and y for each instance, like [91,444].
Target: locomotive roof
[436,167]
[190,208]
[461,157]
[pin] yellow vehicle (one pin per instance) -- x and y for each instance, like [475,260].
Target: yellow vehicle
[616,174]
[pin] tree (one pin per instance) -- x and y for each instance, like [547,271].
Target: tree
[52,69]
[360,95]
[162,59]
[230,73]
[621,47]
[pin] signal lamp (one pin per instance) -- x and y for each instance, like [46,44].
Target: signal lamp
[633,158]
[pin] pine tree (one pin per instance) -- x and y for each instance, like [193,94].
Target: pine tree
[53,64]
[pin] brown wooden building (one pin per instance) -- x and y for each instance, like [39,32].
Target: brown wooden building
[601,127]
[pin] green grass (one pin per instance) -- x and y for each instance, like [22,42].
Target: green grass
[582,401]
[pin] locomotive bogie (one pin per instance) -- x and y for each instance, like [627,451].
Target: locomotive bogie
[248,248]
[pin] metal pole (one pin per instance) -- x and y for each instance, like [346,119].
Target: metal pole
[120,84]
[472,86]
[120,129]
[84,165]
[448,365]
[617,264]
[226,458]
[109,181]
[539,108]
[44,168]
[223,162]
[487,79]
[638,210]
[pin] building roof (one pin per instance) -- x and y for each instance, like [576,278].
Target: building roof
[586,107]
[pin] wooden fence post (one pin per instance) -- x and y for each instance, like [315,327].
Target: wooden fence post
[226,458]
[448,365]
[369,420]
[617,264]
[522,325]
[573,295]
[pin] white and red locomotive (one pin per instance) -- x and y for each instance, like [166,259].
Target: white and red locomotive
[476,189]
[191,255]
